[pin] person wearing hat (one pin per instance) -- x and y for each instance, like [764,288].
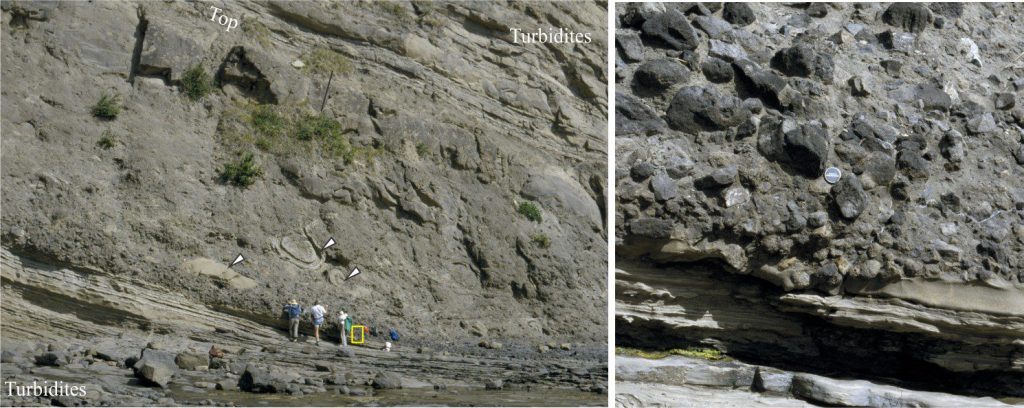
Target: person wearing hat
[293,311]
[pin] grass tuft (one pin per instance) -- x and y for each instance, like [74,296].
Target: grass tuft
[422,150]
[328,132]
[325,60]
[541,240]
[257,30]
[107,141]
[108,107]
[531,211]
[196,83]
[241,173]
[266,121]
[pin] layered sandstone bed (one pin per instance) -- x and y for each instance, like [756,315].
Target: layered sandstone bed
[435,131]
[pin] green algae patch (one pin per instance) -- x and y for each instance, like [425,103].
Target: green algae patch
[692,352]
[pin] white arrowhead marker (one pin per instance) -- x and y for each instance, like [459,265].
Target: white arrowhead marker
[329,243]
[238,259]
[355,271]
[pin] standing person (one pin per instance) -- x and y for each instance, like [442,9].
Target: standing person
[348,326]
[293,311]
[318,311]
[343,325]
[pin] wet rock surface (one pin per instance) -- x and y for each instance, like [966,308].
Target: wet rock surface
[928,200]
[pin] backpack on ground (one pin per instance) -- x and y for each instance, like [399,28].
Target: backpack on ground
[394,334]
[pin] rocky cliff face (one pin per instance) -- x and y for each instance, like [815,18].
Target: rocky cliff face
[909,268]
[436,128]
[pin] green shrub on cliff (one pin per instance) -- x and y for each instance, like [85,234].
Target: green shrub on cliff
[196,83]
[531,211]
[108,107]
[241,173]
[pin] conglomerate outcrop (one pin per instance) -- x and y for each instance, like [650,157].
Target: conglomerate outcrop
[907,268]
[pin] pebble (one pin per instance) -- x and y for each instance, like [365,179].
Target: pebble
[982,124]
[969,50]
[850,197]
[724,176]
[631,46]
[738,13]
[892,67]
[725,51]
[713,26]
[1005,101]
[897,41]
[664,187]
[912,17]
[660,74]
[717,70]
[817,10]
[673,29]
[736,195]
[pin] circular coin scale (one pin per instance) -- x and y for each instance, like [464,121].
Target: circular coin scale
[832,175]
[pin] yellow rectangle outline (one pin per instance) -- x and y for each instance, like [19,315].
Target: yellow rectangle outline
[352,334]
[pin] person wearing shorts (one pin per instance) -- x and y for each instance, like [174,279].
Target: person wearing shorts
[318,311]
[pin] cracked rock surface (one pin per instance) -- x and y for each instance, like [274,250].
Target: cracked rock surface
[446,128]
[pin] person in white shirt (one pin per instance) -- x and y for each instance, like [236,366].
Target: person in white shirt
[318,311]
[342,316]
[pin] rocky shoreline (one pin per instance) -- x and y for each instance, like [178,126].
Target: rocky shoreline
[51,333]
[642,382]
[177,371]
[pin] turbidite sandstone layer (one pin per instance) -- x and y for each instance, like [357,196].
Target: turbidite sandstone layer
[436,130]
[908,270]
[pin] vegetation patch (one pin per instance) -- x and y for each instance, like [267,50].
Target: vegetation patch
[267,122]
[432,18]
[325,60]
[396,9]
[531,211]
[422,150]
[327,131]
[541,240]
[196,83]
[107,141]
[692,352]
[290,130]
[242,172]
[108,107]
[255,29]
